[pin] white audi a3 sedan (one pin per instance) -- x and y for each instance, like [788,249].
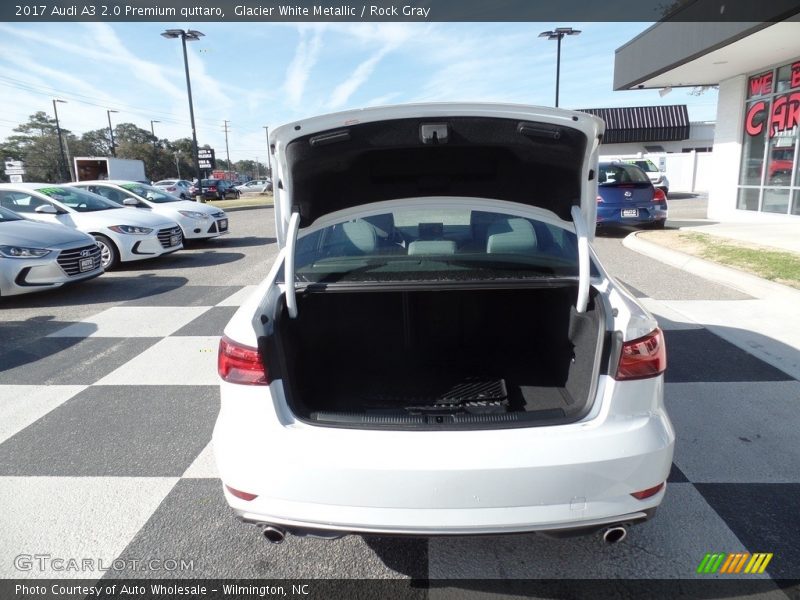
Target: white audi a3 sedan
[123,234]
[38,256]
[198,221]
[437,349]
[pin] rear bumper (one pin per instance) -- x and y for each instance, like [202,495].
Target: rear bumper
[443,482]
[611,214]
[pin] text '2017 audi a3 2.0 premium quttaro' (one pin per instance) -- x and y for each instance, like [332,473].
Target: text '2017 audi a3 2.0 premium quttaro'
[437,349]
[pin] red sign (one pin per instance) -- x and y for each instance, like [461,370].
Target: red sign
[784,116]
[761,84]
[795,80]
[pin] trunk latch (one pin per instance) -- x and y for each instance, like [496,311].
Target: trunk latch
[433,133]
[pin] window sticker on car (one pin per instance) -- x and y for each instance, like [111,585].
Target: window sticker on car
[129,186]
[54,192]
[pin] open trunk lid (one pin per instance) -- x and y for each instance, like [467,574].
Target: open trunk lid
[542,157]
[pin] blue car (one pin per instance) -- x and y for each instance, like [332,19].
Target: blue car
[626,197]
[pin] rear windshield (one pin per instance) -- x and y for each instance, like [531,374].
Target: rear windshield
[436,244]
[621,173]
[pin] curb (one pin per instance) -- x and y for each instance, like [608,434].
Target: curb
[738,280]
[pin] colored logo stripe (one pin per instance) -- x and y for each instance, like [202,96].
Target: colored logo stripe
[734,562]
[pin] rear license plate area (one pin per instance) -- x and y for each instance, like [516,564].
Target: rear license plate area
[630,212]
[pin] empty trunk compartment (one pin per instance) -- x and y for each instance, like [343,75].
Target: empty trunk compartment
[446,358]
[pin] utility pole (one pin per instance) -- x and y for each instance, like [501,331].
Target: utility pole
[269,160]
[227,152]
[111,132]
[256,167]
[63,162]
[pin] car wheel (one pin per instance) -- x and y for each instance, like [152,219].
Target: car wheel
[109,256]
[220,195]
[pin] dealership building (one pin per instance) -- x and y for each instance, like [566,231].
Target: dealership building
[755,174]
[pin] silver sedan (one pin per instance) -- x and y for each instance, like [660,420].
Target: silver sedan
[41,256]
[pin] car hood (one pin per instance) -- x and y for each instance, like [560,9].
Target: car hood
[537,156]
[121,216]
[37,235]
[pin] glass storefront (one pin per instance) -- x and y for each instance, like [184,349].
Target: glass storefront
[768,177]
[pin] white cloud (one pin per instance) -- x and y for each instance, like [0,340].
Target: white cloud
[305,57]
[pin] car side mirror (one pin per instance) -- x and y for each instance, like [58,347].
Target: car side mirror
[130,202]
[46,209]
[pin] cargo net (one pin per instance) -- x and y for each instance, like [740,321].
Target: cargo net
[473,395]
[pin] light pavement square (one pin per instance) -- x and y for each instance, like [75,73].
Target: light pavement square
[21,405]
[204,466]
[172,361]
[776,341]
[743,432]
[668,319]
[133,321]
[73,518]
[670,546]
[239,297]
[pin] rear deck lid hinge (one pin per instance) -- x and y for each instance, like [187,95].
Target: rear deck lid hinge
[289,269]
[583,258]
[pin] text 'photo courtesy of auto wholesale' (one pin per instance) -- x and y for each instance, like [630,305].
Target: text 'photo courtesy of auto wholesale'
[437,349]
[56,234]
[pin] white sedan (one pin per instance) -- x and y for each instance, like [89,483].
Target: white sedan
[437,350]
[40,256]
[123,234]
[198,221]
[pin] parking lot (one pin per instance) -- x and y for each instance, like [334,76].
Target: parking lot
[109,394]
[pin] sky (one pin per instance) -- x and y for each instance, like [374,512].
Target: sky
[268,74]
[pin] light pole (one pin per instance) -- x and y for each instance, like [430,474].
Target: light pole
[558,34]
[155,141]
[192,36]
[111,132]
[269,160]
[63,162]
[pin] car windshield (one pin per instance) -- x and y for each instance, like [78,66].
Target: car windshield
[77,199]
[8,215]
[645,165]
[150,193]
[621,173]
[436,244]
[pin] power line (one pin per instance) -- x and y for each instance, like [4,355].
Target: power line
[83,99]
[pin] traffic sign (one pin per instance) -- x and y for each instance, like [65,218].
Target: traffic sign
[14,164]
[15,171]
[15,178]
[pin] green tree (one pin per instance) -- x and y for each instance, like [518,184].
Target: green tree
[36,144]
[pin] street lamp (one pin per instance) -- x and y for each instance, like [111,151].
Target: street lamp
[111,132]
[63,162]
[557,34]
[192,36]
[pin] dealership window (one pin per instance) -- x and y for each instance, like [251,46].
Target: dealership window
[768,177]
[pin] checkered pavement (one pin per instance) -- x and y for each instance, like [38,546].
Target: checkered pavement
[105,454]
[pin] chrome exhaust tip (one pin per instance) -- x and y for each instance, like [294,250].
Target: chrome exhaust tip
[614,535]
[274,535]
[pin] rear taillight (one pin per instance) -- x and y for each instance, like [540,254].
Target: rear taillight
[240,364]
[642,358]
[659,196]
